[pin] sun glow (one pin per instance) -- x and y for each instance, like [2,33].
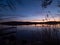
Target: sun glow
[40,20]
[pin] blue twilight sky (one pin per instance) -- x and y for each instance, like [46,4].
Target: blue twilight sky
[29,10]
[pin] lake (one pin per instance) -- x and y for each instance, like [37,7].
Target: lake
[35,34]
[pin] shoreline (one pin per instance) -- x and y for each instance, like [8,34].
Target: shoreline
[28,23]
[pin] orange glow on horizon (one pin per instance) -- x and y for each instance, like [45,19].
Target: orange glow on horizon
[40,20]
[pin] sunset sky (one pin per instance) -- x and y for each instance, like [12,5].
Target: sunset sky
[29,10]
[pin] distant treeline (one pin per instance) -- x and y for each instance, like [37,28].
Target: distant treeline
[28,23]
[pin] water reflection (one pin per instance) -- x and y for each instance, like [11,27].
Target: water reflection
[39,34]
[7,35]
[36,34]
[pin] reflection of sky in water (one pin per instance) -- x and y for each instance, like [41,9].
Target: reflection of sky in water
[36,33]
[37,26]
[28,31]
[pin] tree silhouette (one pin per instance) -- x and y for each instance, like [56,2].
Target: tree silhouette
[45,3]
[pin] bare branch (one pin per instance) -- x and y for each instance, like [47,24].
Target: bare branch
[45,3]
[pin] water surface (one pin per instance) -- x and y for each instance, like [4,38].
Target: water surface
[36,34]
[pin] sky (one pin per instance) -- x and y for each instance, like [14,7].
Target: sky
[28,10]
